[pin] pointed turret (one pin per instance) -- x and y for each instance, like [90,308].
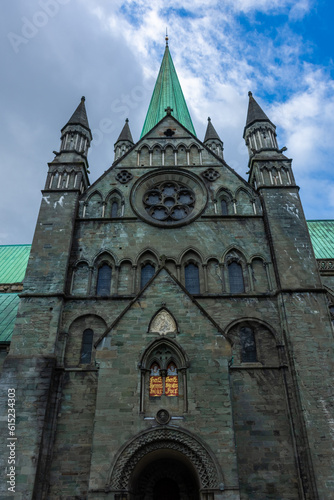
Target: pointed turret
[76,136]
[259,132]
[124,141]
[213,141]
[167,94]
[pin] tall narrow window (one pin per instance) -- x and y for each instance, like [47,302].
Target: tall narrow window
[224,209]
[191,275]
[156,385]
[147,272]
[172,381]
[86,348]
[248,346]
[236,278]
[104,280]
[114,209]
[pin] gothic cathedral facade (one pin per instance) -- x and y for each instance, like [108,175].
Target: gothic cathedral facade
[173,339]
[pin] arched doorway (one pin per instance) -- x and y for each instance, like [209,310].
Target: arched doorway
[164,475]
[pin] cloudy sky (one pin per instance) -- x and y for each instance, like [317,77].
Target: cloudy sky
[55,51]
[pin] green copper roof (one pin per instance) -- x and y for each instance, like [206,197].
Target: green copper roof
[322,237]
[167,93]
[9,303]
[13,262]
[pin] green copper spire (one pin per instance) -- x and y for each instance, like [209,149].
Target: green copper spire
[167,93]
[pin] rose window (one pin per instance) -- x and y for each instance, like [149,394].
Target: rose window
[169,201]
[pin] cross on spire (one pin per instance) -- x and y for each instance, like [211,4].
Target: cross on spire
[169,110]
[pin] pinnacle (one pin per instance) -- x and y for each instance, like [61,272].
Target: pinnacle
[255,112]
[125,134]
[79,116]
[211,132]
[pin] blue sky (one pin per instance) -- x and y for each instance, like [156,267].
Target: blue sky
[55,51]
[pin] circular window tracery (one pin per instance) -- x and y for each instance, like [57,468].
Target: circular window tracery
[169,201]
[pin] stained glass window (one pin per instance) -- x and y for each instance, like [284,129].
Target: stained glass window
[156,386]
[172,381]
[104,280]
[191,278]
[147,272]
[248,346]
[86,348]
[236,278]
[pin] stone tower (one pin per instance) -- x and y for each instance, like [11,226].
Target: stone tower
[173,338]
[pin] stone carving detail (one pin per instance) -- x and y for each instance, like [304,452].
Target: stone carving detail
[326,265]
[211,174]
[124,176]
[163,323]
[169,201]
[162,417]
[164,439]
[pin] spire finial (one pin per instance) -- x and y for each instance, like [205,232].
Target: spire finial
[209,119]
[127,120]
[83,98]
[250,94]
[166,38]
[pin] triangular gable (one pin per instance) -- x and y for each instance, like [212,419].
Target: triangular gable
[161,270]
[152,134]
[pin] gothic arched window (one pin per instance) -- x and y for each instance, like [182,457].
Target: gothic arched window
[103,280]
[236,278]
[191,275]
[248,345]
[114,209]
[147,272]
[224,209]
[86,347]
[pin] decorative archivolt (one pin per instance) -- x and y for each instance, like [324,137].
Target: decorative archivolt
[164,439]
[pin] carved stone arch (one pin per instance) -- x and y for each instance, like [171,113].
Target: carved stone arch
[266,338]
[93,205]
[165,146]
[76,328]
[259,274]
[214,278]
[105,256]
[164,438]
[80,277]
[144,155]
[163,322]
[234,253]
[114,197]
[189,250]
[156,155]
[194,154]
[125,277]
[142,255]
[182,154]
[244,202]
[170,343]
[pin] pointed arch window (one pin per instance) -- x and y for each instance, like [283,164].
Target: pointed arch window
[86,347]
[236,278]
[114,209]
[224,208]
[248,345]
[147,271]
[191,275]
[104,280]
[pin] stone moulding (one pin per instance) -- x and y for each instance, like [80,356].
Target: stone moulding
[165,439]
